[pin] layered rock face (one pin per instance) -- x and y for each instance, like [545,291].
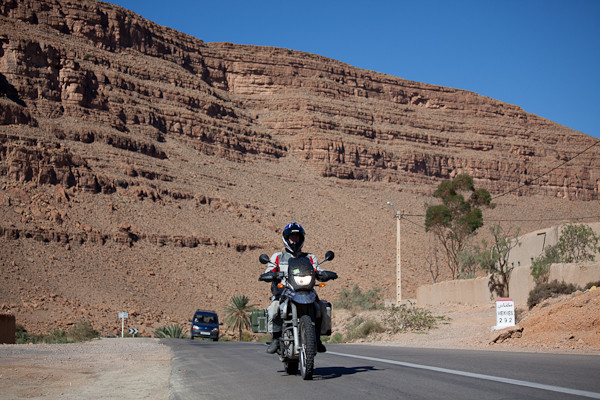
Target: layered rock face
[120,75]
[137,159]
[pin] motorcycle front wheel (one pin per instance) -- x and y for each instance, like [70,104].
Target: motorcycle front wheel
[307,347]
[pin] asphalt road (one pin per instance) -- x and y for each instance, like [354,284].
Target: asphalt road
[232,370]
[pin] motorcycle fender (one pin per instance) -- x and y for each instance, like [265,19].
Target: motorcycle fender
[304,297]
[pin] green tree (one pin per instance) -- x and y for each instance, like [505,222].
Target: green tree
[540,267]
[494,259]
[577,243]
[237,314]
[457,219]
[432,258]
[469,263]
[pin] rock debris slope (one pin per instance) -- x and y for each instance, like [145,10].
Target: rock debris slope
[144,170]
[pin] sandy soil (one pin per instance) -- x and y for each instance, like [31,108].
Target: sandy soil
[101,369]
[140,368]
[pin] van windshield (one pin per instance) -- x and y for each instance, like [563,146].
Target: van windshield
[205,319]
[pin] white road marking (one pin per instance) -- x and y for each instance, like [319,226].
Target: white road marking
[517,382]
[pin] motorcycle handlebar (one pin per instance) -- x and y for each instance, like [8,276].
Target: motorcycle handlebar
[325,276]
[270,276]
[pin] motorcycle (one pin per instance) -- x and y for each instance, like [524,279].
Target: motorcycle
[299,310]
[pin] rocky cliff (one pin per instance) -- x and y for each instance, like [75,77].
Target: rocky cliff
[121,76]
[124,143]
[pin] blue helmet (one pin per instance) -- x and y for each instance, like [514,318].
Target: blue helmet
[293,246]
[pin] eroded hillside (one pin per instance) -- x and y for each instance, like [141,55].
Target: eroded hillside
[144,170]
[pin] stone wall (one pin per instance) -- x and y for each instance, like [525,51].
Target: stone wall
[534,243]
[476,292]
[464,291]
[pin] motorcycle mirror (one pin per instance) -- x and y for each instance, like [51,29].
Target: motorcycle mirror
[264,259]
[329,255]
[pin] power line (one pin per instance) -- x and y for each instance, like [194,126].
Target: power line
[527,183]
[542,219]
[597,217]
[402,216]
[412,222]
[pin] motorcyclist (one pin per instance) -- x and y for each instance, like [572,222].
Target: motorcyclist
[293,239]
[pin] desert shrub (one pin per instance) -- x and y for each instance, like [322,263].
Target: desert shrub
[335,338]
[21,334]
[23,337]
[544,291]
[56,336]
[408,317]
[82,331]
[591,284]
[355,298]
[171,331]
[361,328]
[264,338]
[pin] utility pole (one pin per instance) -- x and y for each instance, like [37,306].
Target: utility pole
[398,257]
[398,260]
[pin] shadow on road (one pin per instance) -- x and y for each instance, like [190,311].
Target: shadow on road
[336,372]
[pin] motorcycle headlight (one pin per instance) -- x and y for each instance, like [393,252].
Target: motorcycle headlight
[302,280]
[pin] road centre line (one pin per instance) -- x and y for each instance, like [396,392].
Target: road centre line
[509,381]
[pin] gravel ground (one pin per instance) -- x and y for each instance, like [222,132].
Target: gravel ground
[101,369]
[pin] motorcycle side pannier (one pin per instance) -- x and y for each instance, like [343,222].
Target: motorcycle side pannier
[258,319]
[326,318]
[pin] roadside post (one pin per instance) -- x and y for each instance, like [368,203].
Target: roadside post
[505,313]
[123,315]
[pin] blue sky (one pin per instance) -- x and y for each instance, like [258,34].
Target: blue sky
[542,55]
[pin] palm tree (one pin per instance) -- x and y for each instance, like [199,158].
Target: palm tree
[237,313]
